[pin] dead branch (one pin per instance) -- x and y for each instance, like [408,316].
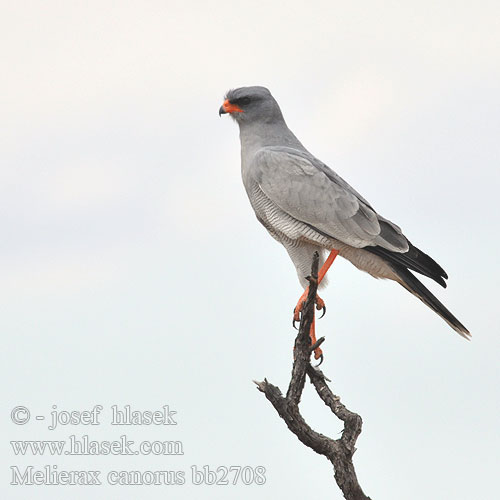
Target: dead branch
[338,451]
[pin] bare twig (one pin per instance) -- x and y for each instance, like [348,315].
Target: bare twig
[338,451]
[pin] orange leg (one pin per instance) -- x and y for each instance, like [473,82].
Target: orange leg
[319,301]
[318,353]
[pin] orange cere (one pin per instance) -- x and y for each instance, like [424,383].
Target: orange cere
[231,108]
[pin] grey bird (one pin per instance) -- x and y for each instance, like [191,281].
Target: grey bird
[307,207]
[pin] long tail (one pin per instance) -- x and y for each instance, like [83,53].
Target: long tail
[413,285]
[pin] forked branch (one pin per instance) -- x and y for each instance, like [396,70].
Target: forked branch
[338,451]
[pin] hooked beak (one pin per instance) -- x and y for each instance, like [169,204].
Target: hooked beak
[227,107]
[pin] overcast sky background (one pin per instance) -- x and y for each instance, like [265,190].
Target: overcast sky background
[134,270]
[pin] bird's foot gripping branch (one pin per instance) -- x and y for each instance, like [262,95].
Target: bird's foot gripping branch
[320,304]
[338,451]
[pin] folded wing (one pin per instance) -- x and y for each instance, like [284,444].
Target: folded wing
[312,193]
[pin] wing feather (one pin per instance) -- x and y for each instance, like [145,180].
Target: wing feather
[312,193]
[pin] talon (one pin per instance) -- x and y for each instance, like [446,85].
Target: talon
[318,353]
[320,305]
[298,310]
[321,358]
[296,313]
[324,311]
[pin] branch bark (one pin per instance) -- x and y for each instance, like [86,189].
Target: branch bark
[338,451]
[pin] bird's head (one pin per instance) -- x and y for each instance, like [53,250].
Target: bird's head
[251,105]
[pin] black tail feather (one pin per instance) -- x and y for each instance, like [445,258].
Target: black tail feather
[412,284]
[413,259]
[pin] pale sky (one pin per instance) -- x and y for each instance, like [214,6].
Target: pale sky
[134,270]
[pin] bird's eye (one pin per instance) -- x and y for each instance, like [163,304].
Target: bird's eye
[242,101]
